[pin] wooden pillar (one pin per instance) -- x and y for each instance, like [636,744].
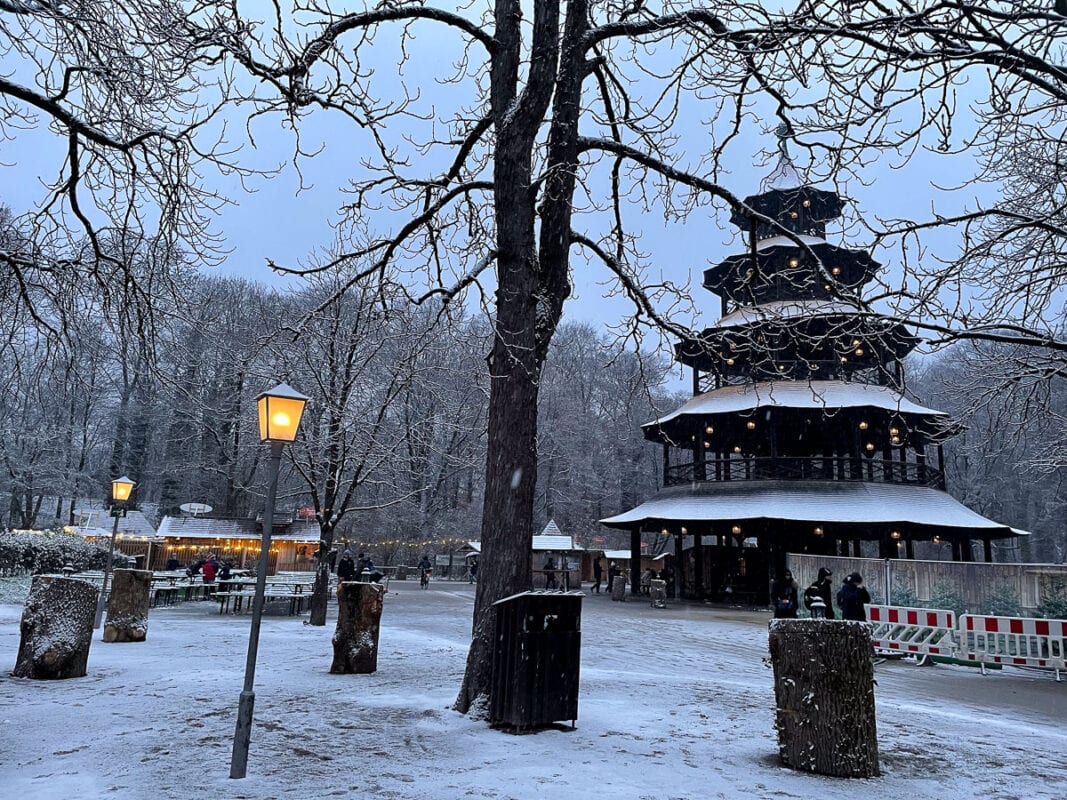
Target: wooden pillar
[696,382]
[635,561]
[856,548]
[666,462]
[679,567]
[909,549]
[987,546]
[698,567]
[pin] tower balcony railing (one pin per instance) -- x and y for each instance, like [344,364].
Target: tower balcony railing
[813,468]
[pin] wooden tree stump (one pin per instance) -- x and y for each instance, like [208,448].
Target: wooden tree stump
[127,608]
[618,588]
[824,690]
[359,615]
[57,628]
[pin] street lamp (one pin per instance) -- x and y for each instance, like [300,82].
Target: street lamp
[280,410]
[120,493]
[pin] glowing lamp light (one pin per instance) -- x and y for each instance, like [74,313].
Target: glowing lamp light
[869,447]
[280,410]
[707,445]
[894,440]
[121,489]
[736,530]
[794,263]
[844,360]
[806,204]
[737,449]
[730,362]
[894,535]
[859,351]
[937,540]
[709,430]
[864,426]
[894,431]
[836,271]
[793,215]
[684,530]
[819,531]
[750,425]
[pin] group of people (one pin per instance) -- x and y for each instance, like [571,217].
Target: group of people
[349,569]
[208,567]
[818,597]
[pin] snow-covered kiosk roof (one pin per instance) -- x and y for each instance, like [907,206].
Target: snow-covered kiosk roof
[851,503]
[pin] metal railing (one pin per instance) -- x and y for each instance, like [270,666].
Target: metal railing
[805,468]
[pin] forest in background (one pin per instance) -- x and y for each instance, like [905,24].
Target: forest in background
[398,414]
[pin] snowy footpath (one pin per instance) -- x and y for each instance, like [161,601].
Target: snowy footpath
[674,703]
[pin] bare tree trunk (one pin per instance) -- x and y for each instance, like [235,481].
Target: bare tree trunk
[824,690]
[57,629]
[359,616]
[127,607]
[320,593]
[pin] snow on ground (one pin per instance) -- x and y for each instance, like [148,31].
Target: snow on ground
[674,704]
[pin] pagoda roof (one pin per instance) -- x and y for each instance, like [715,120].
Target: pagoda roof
[731,275]
[853,503]
[788,310]
[796,394]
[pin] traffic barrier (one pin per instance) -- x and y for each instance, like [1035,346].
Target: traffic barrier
[913,630]
[1015,641]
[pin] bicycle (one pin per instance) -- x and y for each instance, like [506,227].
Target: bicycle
[424,579]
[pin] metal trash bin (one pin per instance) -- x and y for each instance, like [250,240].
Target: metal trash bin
[536,659]
[658,593]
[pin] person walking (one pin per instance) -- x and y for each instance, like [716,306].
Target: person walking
[852,597]
[818,596]
[598,574]
[784,593]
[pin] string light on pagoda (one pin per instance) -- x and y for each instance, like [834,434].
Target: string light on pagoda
[709,430]
[863,425]
[737,449]
[750,425]
[869,447]
[844,360]
[819,531]
[806,204]
[859,351]
[894,440]
[729,362]
[894,535]
[685,530]
[793,215]
[836,271]
[794,262]
[736,530]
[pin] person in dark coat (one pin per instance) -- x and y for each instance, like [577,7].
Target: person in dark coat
[598,574]
[550,573]
[173,564]
[851,598]
[346,567]
[784,597]
[818,596]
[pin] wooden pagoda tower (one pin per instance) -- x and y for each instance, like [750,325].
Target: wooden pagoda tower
[798,436]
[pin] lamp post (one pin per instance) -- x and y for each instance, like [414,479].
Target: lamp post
[280,410]
[120,493]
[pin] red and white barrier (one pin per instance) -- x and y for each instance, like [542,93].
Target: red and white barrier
[913,630]
[1014,640]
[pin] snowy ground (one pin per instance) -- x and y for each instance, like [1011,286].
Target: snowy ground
[673,704]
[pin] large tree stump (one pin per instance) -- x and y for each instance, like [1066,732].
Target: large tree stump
[57,628]
[359,615]
[127,608]
[618,588]
[824,690]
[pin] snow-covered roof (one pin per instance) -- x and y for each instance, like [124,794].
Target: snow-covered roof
[787,310]
[854,502]
[617,555]
[557,544]
[93,514]
[236,528]
[785,241]
[551,529]
[795,394]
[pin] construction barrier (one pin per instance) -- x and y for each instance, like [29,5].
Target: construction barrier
[913,630]
[972,638]
[1014,641]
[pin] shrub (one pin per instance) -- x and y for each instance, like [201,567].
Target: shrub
[1053,597]
[1003,601]
[47,551]
[946,598]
